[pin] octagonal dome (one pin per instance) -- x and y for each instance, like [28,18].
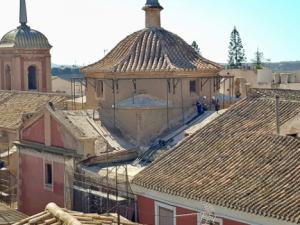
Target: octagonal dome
[25,38]
[152,50]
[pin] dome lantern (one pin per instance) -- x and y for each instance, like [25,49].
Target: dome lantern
[152,9]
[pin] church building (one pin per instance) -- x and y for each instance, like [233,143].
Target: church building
[150,82]
[25,60]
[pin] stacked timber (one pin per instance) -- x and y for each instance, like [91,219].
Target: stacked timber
[54,215]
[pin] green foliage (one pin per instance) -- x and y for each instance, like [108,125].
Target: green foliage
[196,47]
[236,54]
[258,59]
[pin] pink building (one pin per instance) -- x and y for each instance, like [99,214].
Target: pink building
[234,171]
[51,143]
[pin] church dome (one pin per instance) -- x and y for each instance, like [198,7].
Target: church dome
[153,50]
[26,38]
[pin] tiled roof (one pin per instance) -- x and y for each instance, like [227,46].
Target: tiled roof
[57,216]
[292,95]
[152,50]
[25,38]
[9,216]
[79,122]
[236,161]
[13,105]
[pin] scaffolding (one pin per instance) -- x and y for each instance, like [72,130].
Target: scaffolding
[78,90]
[110,192]
[172,82]
[8,181]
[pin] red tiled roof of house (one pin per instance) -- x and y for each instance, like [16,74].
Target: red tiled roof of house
[237,161]
[15,104]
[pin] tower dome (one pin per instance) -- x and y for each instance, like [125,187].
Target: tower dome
[25,59]
[24,37]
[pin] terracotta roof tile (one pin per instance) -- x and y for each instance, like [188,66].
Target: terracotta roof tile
[236,161]
[9,216]
[152,49]
[13,105]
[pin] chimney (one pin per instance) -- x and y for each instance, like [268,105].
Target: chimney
[152,9]
[277,113]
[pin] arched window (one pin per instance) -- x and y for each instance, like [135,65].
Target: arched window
[32,78]
[7,78]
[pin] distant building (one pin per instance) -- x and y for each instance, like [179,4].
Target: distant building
[25,60]
[60,85]
[242,168]
[150,82]
[244,79]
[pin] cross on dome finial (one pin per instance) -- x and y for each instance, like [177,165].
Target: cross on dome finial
[23,12]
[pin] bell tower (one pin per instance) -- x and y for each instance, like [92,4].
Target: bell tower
[25,60]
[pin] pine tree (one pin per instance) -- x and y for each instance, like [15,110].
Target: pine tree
[236,50]
[196,47]
[258,59]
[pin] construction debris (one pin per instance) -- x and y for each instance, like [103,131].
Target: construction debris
[54,215]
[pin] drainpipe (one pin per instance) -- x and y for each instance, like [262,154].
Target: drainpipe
[277,112]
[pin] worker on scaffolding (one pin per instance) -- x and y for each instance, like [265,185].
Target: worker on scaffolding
[201,107]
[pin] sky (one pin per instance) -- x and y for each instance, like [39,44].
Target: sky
[82,31]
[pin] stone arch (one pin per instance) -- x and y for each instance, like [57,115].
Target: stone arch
[7,77]
[32,78]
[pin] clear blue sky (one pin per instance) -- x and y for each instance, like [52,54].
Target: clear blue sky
[80,30]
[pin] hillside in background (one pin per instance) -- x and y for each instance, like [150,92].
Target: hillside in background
[292,66]
[66,72]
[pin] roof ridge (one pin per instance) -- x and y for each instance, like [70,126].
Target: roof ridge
[131,49]
[110,53]
[164,50]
